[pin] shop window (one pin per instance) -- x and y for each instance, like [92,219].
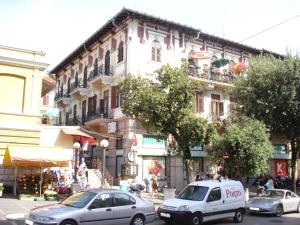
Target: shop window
[121,52]
[156,51]
[153,140]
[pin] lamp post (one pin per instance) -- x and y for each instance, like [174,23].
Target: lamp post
[76,147]
[225,157]
[104,144]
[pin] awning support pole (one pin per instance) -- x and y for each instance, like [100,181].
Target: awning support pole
[15,181]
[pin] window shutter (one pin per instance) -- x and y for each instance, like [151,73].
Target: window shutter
[90,60]
[167,41]
[46,100]
[80,67]
[94,104]
[113,96]
[101,106]
[141,33]
[90,105]
[200,102]
[72,73]
[113,44]
[101,53]
[221,108]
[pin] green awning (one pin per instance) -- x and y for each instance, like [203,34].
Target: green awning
[220,63]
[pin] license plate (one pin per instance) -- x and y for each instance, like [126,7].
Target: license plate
[165,215]
[28,222]
[254,209]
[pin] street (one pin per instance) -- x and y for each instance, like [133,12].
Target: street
[289,219]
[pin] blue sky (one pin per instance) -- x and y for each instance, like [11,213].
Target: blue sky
[57,27]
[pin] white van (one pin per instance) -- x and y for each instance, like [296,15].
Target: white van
[203,201]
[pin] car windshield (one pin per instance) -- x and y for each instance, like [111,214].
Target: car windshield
[79,200]
[194,193]
[274,194]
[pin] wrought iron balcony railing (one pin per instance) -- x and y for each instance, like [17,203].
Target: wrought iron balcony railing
[101,70]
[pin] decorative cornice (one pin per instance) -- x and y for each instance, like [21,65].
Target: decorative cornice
[23,63]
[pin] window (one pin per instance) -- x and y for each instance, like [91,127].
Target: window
[156,51]
[107,63]
[217,107]
[121,52]
[214,195]
[194,193]
[115,97]
[199,102]
[102,201]
[119,143]
[122,199]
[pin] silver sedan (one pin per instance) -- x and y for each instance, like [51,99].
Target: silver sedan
[275,201]
[99,207]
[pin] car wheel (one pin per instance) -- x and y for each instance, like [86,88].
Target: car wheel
[238,217]
[196,219]
[298,208]
[279,210]
[137,220]
[68,222]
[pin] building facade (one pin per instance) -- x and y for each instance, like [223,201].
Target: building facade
[87,91]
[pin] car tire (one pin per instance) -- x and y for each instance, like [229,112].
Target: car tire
[298,208]
[279,210]
[68,222]
[238,216]
[138,220]
[196,219]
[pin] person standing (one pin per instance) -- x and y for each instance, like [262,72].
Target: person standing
[154,185]
[270,184]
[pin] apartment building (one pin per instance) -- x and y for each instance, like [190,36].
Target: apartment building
[87,91]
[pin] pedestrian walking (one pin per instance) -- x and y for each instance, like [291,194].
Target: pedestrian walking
[154,185]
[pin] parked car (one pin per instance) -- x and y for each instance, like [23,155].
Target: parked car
[203,201]
[275,201]
[99,206]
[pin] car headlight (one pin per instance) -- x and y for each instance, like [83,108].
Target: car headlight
[183,208]
[45,219]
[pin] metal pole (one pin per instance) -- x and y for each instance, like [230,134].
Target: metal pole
[103,167]
[75,166]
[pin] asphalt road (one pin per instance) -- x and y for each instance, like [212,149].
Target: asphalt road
[287,219]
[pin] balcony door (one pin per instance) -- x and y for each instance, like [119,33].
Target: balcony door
[107,63]
[83,111]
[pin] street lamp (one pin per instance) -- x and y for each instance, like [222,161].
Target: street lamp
[225,157]
[76,147]
[104,144]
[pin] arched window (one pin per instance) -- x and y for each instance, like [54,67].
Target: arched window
[156,51]
[107,63]
[121,52]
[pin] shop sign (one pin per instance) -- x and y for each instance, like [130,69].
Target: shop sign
[280,167]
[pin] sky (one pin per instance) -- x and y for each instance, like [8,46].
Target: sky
[57,27]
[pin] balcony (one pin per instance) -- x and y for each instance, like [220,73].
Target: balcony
[74,121]
[210,76]
[101,75]
[62,98]
[99,116]
[79,88]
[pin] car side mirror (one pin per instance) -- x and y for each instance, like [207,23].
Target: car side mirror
[91,206]
[210,198]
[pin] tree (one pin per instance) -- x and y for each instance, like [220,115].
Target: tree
[246,145]
[271,93]
[165,106]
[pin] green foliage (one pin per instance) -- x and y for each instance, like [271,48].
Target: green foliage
[271,93]
[246,142]
[165,106]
